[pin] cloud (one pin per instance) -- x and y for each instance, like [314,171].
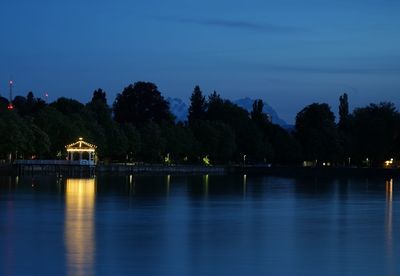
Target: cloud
[236,24]
[335,69]
[351,65]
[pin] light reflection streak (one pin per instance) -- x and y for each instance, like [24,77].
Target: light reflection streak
[131,185]
[389,219]
[244,185]
[79,226]
[168,183]
[205,182]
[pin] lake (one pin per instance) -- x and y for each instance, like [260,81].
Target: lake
[199,225]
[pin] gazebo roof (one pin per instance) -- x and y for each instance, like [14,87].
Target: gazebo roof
[81,145]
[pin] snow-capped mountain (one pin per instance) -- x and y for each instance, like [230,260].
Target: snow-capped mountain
[180,109]
[247,104]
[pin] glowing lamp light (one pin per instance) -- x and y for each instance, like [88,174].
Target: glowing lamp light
[206,161]
[389,163]
[10,106]
[167,159]
[10,82]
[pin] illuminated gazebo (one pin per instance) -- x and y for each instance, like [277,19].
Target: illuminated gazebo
[81,152]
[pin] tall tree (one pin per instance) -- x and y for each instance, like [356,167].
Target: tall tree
[377,132]
[140,103]
[316,132]
[198,106]
[215,107]
[217,140]
[68,106]
[257,114]
[99,96]
[99,108]
[343,111]
[345,129]
[153,144]
[60,128]
[134,140]
[180,143]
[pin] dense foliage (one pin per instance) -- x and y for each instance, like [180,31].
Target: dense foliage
[139,127]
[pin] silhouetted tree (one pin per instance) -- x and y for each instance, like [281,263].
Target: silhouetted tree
[133,140]
[257,114]
[3,103]
[316,132]
[140,103]
[99,96]
[344,116]
[345,128]
[40,142]
[376,131]
[142,129]
[99,108]
[217,140]
[286,148]
[29,105]
[117,143]
[198,106]
[67,106]
[30,101]
[180,143]
[215,107]
[16,136]
[60,129]
[20,105]
[153,144]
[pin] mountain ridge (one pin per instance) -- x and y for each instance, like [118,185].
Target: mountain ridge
[180,109]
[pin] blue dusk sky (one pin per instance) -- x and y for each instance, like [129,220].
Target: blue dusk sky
[290,53]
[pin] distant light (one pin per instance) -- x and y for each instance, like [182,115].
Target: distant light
[167,159]
[80,138]
[10,106]
[206,161]
[10,82]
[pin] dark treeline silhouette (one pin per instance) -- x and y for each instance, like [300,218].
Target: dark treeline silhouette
[139,127]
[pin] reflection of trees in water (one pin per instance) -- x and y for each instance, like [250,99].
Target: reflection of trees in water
[220,186]
[315,185]
[79,226]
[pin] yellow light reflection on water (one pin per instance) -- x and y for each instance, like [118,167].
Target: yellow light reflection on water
[389,221]
[168,183]
[79,226]
[205,181]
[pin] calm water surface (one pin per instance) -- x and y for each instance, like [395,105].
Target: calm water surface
[199,225]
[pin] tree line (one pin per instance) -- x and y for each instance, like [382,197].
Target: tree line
[139,127]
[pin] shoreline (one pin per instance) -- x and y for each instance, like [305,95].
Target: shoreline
[291,171]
